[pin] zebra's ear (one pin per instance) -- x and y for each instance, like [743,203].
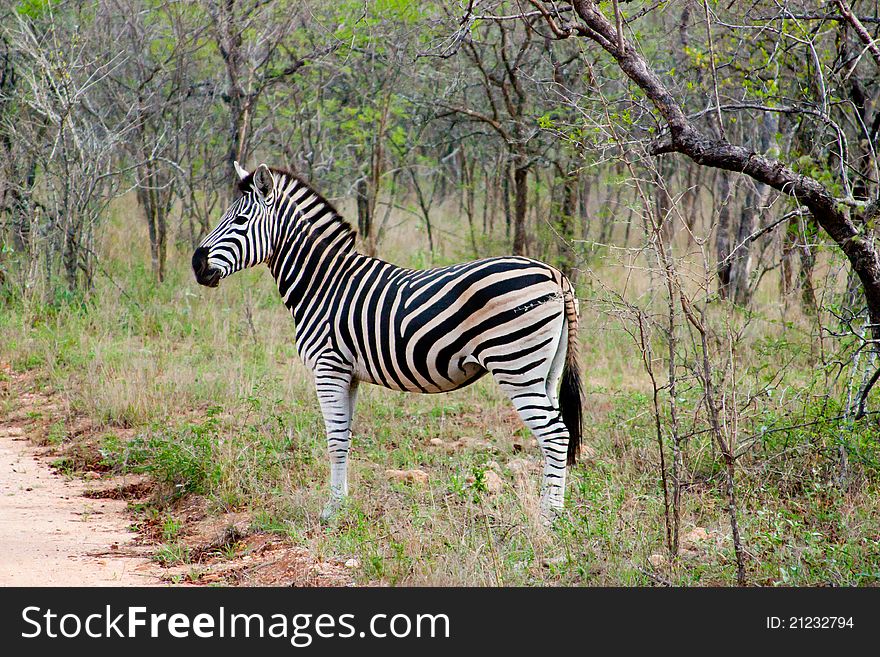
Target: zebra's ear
[240,170]
[263,181]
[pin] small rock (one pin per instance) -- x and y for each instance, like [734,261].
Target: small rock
[547,562]
[436,442]
[657,560]
[587,454]
[695,537]
[686,554]
[519,467]
[352,563]
[92,475]
[494,483]
[414,476]
[320,569]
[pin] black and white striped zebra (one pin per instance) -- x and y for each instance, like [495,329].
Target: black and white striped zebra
[358,319]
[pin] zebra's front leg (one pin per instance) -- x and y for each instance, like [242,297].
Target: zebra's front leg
[337,392]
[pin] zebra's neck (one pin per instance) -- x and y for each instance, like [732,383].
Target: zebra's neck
[312,242]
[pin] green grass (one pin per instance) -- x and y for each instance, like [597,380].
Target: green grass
[180,387]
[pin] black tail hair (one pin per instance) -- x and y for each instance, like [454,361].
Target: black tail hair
[570,405]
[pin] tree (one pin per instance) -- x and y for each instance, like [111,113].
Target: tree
[506,57]
[681,135]
[67,133]
[253,40]
[153,88]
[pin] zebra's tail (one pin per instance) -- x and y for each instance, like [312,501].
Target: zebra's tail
[570,391]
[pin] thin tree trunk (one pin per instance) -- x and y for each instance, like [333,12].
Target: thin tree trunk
[425,207]
[808,262]
[365,217]
[722,235]
[584,204]
[566,225]
[521,190]
[739,265]
[505,195]
[723,444]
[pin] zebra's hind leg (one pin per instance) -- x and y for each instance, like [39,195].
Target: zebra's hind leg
[541,415]
[337,394]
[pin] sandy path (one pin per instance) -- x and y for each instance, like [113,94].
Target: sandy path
[52,536]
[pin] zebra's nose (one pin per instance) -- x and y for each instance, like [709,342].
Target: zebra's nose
[204,274]
[200,260]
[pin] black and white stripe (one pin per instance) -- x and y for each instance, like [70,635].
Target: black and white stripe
[358,319]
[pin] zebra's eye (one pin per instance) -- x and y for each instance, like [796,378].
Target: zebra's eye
[240,220]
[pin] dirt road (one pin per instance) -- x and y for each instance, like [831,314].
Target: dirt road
[50,535]
[53,535]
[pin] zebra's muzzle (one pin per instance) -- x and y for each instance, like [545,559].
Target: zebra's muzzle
[205,274]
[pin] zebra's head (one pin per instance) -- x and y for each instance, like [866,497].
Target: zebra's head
[243,237]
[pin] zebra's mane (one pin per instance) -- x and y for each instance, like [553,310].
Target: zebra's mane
[246,184]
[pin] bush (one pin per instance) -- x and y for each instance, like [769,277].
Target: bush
[181,459]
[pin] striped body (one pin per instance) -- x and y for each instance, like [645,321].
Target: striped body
[359,319]
[425,331]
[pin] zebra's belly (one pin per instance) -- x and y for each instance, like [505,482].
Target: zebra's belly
[461,373]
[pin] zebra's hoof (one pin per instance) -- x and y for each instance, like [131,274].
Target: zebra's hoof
[332,508]
[549,514]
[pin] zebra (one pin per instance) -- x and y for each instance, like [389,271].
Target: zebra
[360,319]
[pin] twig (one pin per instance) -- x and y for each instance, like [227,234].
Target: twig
[647,573]
[860,30]
[498,580]
[753,440]
[762,231]
[618,19]
[863,395]
[817,17]
[110,278]
[642,12]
